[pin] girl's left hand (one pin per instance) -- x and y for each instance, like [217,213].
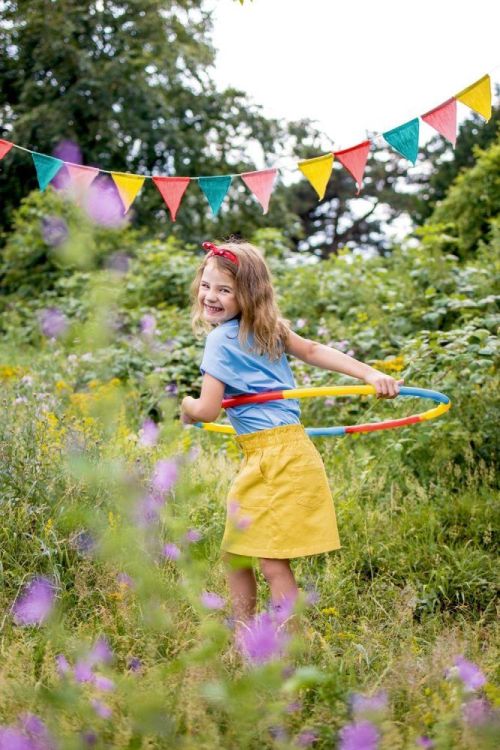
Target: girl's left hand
[385,386]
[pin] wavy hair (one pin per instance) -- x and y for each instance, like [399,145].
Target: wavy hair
[255,295]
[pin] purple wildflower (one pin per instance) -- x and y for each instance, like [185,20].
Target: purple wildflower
[83,672]
[300,323]
[171,389]
[13,739]
[342,345]
[54,230]
[476,711]
[469,673]
[62,665]
[425,741]
[103,683]
[262,640]
[312,597]
[36,602]
[103,203]
[171,551]
[101,709]
[134,664]
[34,727]
[68,150]
[212,601]
[89,738]
[282,610]
[123,579]
[193,535]
[84,542]
[100,653]
[306,738]
[148,434]
[278,733]
[165,476]
[361,735]
[147,511]
[52,322]
[293,707]
[361,704]
[148,325]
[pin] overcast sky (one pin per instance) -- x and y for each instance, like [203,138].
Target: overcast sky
[355,65]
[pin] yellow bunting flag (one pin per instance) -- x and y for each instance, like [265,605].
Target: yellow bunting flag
[128,186]
[477,96]
[318,171]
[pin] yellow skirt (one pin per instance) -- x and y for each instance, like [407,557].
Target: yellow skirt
[280,504]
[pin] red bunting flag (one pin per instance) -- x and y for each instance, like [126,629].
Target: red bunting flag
[354,160]
[261,185]
[444,119]
[5,147]
[171,190]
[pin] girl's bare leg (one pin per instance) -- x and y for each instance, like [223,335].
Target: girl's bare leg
[242,588]
[279,576]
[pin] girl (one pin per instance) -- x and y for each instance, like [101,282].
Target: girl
[279,505]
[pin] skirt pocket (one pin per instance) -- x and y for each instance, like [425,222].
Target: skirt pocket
[310,480]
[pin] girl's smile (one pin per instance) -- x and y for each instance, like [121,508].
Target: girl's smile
[216,295]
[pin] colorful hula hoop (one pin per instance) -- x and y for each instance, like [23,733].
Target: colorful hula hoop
[443,401]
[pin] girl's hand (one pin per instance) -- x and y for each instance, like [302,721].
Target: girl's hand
[385,386]
[185,417]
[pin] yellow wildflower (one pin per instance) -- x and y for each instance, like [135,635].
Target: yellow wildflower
[329,611]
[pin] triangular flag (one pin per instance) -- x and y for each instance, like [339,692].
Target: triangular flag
[172,189]
[215,189]
[46,168]
[444,119]
[128,186]
[81,177]
[318,171]
[354,160]
[261,185]
[5,147]
[404,139]
[477,96]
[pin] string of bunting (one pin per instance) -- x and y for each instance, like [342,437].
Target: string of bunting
[404,139]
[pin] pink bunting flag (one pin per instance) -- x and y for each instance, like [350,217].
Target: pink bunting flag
[261,185]
[444,119]
[171,190]
[81,177]
[5,147]
[354,160]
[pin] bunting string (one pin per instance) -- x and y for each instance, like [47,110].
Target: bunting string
[404,139]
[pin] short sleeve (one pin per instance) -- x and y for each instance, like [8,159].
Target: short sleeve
[220,362]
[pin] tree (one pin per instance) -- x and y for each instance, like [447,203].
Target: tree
[129,82]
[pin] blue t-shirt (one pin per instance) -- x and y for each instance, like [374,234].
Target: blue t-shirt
[243,372]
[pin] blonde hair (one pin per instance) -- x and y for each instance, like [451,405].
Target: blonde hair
[255,295]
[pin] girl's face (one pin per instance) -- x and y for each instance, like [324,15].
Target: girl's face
[216,295]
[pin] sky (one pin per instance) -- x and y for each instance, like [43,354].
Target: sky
[355,65]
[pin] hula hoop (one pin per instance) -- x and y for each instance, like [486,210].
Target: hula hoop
[443,401]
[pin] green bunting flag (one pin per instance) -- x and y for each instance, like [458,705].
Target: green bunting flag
[215,189]
[46,168]
[404,139]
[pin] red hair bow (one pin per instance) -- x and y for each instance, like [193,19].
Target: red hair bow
[209,247]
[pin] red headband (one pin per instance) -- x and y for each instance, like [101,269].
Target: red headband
[212,249]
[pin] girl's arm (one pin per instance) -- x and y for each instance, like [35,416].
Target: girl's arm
[206,408]
[320,355]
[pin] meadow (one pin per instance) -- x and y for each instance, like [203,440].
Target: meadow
[116,630]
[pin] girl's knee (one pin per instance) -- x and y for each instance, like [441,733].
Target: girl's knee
[272,568]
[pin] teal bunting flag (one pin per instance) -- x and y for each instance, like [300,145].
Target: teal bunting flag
[405,139]
[215,189]
[46,168]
